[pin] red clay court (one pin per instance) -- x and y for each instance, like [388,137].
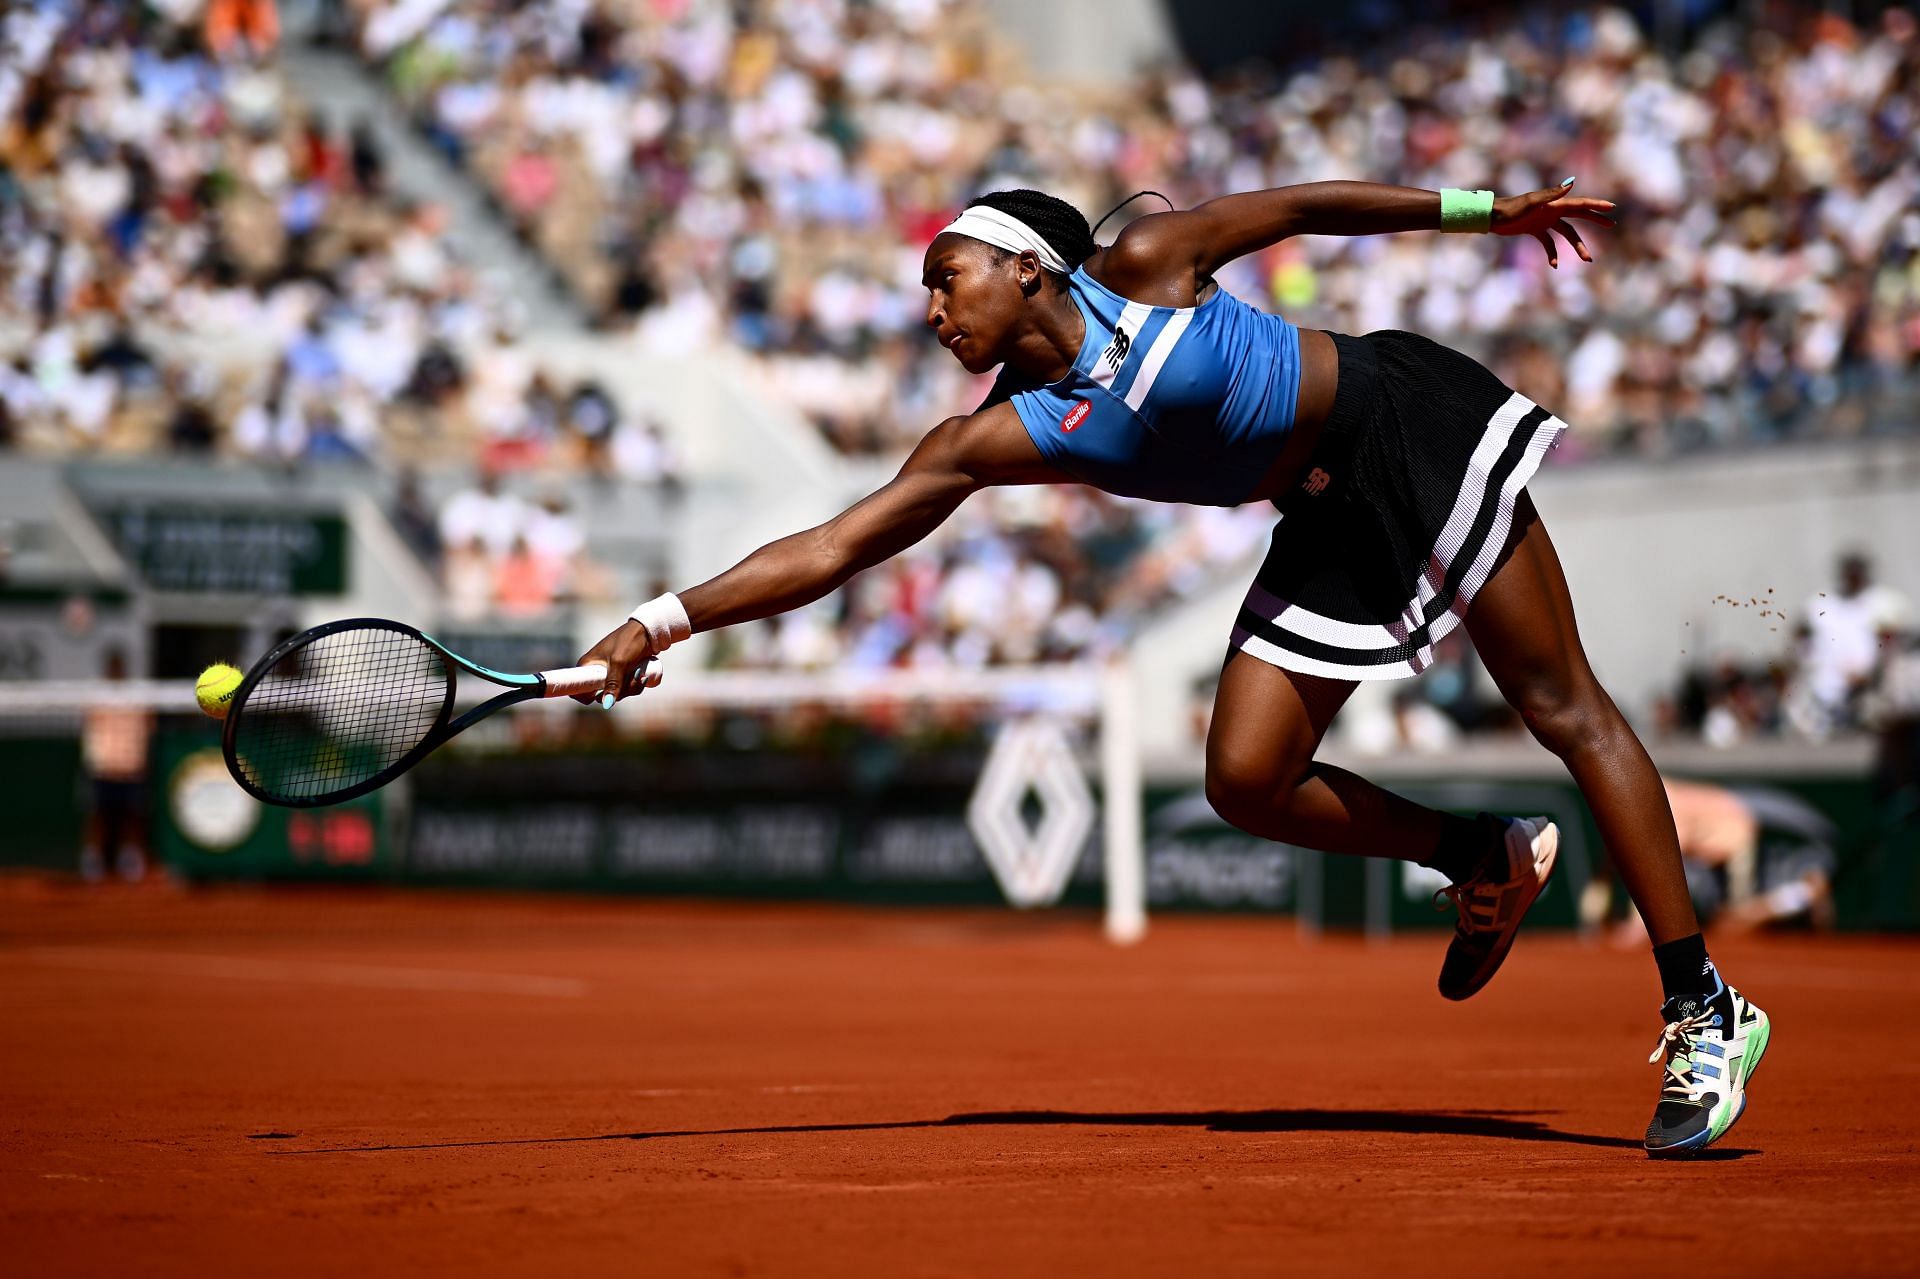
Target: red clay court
[245,1081]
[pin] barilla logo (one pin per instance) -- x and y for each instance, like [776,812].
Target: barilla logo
[1076,415]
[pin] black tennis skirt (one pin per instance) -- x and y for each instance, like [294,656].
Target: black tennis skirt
[1402,514]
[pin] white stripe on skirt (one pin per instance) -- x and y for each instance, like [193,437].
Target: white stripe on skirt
[1364,638]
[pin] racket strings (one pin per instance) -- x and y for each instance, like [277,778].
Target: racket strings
[338,711]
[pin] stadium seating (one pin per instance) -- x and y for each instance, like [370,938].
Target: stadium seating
[760,180]
[701,179]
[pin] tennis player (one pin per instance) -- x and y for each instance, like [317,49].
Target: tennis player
[1399,468]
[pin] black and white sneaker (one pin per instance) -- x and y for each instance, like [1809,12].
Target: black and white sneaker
[1490,909]
[1710,1046]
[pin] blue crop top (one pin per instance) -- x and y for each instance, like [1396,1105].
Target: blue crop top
[1176,404]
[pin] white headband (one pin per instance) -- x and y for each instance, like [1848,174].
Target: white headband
[1004,231]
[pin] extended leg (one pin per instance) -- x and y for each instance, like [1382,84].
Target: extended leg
[1522,625]
[1262,777]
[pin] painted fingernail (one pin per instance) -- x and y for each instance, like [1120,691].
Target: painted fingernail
[606,701]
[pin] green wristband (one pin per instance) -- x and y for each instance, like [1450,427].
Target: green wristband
[1465,210]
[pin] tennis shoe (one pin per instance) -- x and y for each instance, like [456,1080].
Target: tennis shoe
[1711,1047]
[1491,905]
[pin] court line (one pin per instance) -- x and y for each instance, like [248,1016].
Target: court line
[314,972]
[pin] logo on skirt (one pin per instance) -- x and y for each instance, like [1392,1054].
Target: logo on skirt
[1316,482]
[1076,415]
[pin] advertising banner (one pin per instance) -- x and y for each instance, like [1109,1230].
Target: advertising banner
[228,550]
[869,822]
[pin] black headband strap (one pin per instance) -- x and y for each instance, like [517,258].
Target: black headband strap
[1124,203]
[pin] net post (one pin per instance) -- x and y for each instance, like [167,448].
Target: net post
[1120,805]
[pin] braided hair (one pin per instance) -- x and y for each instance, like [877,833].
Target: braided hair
[1057,222]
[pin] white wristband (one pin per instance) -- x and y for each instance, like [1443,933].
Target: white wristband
[665,618]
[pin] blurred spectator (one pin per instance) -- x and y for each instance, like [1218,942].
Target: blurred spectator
[234,26]
[525,583]
[468,579]
[414,522]
[195,260]
[771,172]
[113,749]
[641,451]
[1892,710]
[1446,701]
[1845,633]
[593,418]
[1018,575]
[1742,704]
[485,514]
[368,164]
[508,556]
[191,429]
[1851,667]
[553,534]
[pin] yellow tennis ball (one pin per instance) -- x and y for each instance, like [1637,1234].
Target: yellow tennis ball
[215,688]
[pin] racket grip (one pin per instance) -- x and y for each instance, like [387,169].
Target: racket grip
[572,680]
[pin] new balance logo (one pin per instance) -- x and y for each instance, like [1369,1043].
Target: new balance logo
[1116,353]
[1316,482]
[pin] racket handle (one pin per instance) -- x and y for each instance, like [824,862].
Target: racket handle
[572,680]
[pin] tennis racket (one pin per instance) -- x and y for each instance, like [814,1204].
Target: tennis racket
[345,708]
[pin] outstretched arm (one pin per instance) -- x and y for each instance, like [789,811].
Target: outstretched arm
[955,459]
[1212,234]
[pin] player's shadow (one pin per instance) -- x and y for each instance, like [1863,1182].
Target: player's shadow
[1505,1125]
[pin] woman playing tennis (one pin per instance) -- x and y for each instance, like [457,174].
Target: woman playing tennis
[1399,468]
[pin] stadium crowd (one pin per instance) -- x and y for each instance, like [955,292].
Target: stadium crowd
[768,174]
[1018,575]
[158,178]
[1846,666]
[764,176]
[194,261]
